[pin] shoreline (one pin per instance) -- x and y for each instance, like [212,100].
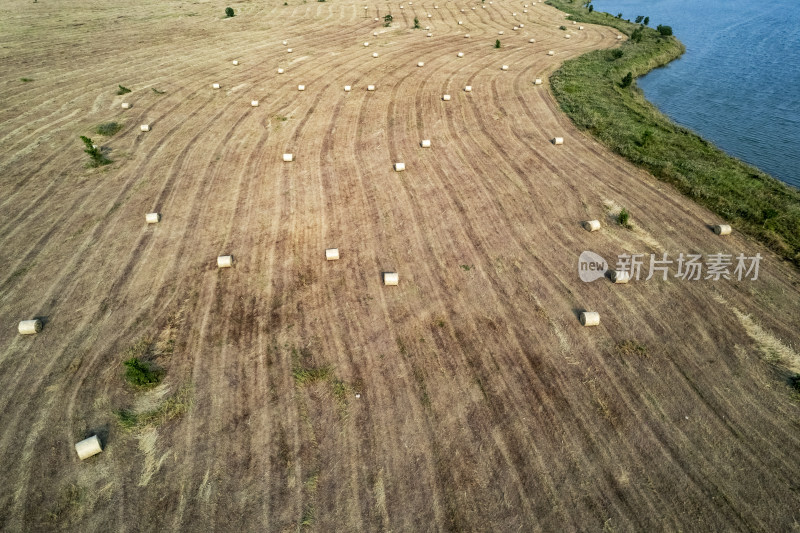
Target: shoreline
[590,91]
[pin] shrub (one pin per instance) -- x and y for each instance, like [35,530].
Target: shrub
[617,53]
[416,23]
[624,218]
[387,21]
[639,19]
[497,43]
[627,80]
[591,8]
[619,15]
[98,158]
[562,27]
[636,36]
[665,31]
[108,129]
[229,12]
[122,90]
[646,21]
[141,373]
[25,80]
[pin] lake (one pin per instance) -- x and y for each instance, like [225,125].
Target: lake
[738,84]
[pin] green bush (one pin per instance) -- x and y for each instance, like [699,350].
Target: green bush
[617,53]
[387,21]
[665,31]
[122,90]
[591,8]
[624,218]
[627,80]
[98,158]
[646,21]
[639,19]
[229,12]
[416,23]
[562,27]
[141,373]
[497,43]
[108,129]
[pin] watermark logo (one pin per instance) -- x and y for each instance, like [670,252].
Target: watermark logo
[591,266]
[687,267]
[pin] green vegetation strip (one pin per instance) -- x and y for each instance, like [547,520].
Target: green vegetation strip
[591,91]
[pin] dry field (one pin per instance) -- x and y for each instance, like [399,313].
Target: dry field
[484,405]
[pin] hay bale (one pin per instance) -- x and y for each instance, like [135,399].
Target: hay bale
[619,276]
[391,278]
[722,229]
[366,43]
[446,97]
[235,62]
[500,32]
[280,71]
[524,10]
[332,254]
[515,28]
[152,218]
[531,40]
[574,22]
[126,105]
[591,225]
[374,34]
[580,27]
[468,89]
[590,318]
[421,64]
[567,36]
[254,103]
[558,140]
[435,7]
[459,23]
[301,87]
[374,54]
[460,54]
[429,15]
[504,67]
[29,327]
[537,81]
[619,37]
[370,87]
[399,167]
[522,25]
[289,50]
[144,127]
[551,53]
[347,88]
[466,36]
[225,261]
[88,447]
[288,158]
[215,85]
[284,43]
[430,35]
[426,143]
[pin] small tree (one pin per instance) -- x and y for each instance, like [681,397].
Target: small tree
[646,21]
[562,28]
[98,158]
[387,21]
[639,19]
[624,218]
[636,36]
[229,12]
[497,43]
[626,80]
[416,23]
[665,31]
[617,53]
[619,15]
[141,373]
[591,8]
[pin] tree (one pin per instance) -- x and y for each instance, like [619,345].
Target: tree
[229,12]
[591,8]
[619,15]
[639,19]
[497,43]
[636,36]
[627,80]
[646,21]
[98,158]
[665,31]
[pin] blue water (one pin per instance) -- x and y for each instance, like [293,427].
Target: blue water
[738,84]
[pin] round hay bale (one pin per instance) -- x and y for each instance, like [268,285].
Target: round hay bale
[225,261]
[289,50]
[347,88]
[435,7]
[515,28]
[391,278]
[531,40]
[504,67]
[370,87]
[524,10]
[558,140]
[459,22]
[366,43]
[235,62]
[29,327]
[426,143]
[374,34]
[619,276]
[280,71]
[301,87]
[332,254]
[590,318]
[460,54]
[500,32]
[722,229]
[254,103]
[619,37]
[399,167]
[374,54]
[591,225]
[537,81]
[430,35]
[144,127]
[446,97]
[574,22]
[88,447]
[152,218]
[466,36]
[567,36]
[215,85]
[429,15]
[288,157]
[284,43]
[551,53]
[420,64]
[580,27]
[522,25]
[468,89]
[126,105]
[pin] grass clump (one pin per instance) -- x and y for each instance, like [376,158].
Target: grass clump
[26,80]
[122,90]
[98,158]
[108,129]
[142,373]
[173,407]
[157,91]
[631,347]
[416,23]
[497,43]
[624,218]
[588,91]
[229,12]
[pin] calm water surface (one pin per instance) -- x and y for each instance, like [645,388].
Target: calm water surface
[738,84]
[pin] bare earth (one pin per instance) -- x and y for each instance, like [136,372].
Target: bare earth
[484,405]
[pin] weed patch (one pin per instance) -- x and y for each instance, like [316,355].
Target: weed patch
[108,129]
[173,407]
[122,90]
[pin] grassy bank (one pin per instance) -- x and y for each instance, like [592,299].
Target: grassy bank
[590,90]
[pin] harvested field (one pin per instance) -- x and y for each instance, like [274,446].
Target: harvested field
[484,404]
